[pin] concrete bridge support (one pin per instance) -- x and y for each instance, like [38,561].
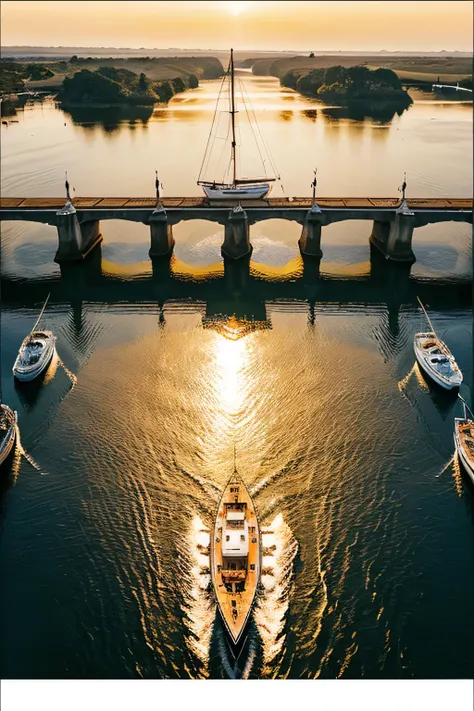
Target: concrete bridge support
[75,240]
[162,240]
[310,240]
[236,235]
[394,238]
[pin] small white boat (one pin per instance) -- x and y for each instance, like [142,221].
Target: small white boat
[435,358]
[36,352]
[8,425]
[231,185]
[464,440]
[34,356]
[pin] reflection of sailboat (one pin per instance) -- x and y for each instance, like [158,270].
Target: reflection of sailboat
[232,327]
[231,185]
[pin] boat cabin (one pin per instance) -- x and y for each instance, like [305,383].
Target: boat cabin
[235,545]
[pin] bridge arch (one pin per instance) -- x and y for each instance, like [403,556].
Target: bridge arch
[125,242]
[198,242]
[345,247]
[274,241]
[443,249]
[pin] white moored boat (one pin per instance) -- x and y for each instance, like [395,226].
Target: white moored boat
[233,186]
[435,358]
[235,555]
[8,420]
[36,352]
[464,440]
[34,356]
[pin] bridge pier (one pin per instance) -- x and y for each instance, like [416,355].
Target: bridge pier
[75,240]
[310,240]
[394,238]
[236,235]
[162,240]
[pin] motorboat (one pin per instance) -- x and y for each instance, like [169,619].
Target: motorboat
[35,355]
[235,556]
[8,431]
[464,440]
[435,358]
[36,352]
[231,185]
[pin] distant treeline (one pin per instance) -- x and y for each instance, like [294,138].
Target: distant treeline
[164,76]
[107,85]
[13,75]
[347,84]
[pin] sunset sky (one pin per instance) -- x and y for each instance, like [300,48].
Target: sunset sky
[259,24]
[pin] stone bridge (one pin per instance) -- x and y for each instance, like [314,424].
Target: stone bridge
[394,220]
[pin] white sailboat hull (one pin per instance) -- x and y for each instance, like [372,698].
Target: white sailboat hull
[8,437]
[252,192]
[467,464]
[24,369]
[427,362]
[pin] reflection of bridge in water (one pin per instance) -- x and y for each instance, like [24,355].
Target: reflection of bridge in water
[239,291]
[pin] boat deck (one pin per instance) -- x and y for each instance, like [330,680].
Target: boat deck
[235,606]
[466,437]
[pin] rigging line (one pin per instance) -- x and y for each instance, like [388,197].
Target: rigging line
[247,100]
[250,124]
[263,138]
[42,312]
[208,152]
[212,125]
[220,157]
[264,161]
[227,172]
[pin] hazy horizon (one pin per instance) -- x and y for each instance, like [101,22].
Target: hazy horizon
[237,49]
[272,26]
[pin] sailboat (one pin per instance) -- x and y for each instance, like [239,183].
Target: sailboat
[36,352]
[8,431]
[435,358]
[464,439]
[232,185]
[235,555]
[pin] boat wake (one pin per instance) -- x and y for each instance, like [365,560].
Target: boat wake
[446,466]
[415,371]
[279,551]
[265,639]
[71,376]
[457,474]
[200,610]
[25,454]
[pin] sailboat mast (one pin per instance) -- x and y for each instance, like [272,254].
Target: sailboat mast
[427,317]
[42,312]
[232,113]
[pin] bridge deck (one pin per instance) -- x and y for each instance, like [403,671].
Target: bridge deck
[46,203]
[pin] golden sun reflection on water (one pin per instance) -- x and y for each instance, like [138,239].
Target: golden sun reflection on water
[230,358]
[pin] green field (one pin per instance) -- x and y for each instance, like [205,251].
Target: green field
[423,69]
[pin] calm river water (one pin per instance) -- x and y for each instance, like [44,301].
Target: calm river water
[347,450]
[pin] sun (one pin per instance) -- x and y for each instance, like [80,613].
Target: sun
[236,8]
